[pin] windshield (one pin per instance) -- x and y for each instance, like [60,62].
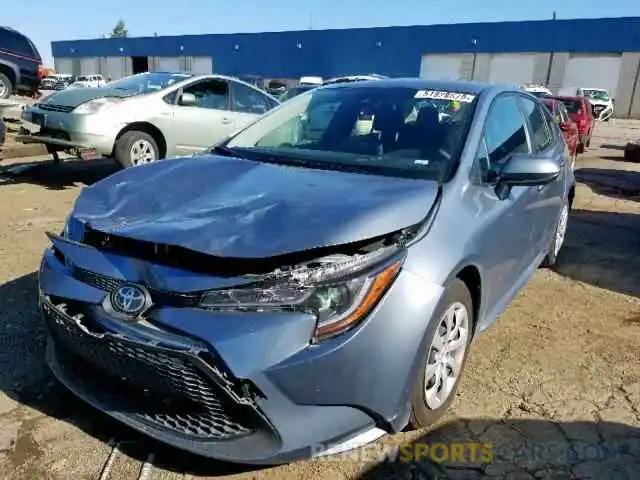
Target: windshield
[597,94]
[82,78]
[295,91]
[573,106]
[395,131]
[148,82]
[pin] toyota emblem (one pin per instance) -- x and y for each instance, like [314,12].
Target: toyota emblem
[130,299]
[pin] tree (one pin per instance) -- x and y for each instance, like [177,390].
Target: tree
[120,30]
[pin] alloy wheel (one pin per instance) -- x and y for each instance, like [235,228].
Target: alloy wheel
[561,230]
[3,88]
[446,355]
[142,152]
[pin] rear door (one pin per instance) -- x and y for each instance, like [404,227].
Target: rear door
[545,201]
[194,128]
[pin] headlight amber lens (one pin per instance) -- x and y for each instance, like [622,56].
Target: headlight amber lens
[339,305]
[345,305]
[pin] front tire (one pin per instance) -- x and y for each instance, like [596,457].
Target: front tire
[136,148]
[559,234]
[449,336]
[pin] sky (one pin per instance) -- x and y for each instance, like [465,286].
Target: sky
[45,21]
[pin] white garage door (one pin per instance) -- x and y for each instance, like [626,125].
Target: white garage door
[64,65]
[595,72]
[168,64]
[512,69]
[201,65]
[89,66]
[440,67]
[115,68]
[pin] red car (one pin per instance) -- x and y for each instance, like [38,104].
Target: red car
[569,128]
[581,113]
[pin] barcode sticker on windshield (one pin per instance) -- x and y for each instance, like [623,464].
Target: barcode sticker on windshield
[442,95]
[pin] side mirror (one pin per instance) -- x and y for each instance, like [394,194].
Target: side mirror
[188,100]
[528,171]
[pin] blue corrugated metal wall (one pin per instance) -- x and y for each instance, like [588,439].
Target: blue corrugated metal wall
[394,51]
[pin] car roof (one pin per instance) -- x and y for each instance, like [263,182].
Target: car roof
[551,100]
[569,97]
[461,86]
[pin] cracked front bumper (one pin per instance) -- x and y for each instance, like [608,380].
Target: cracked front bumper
[258,390]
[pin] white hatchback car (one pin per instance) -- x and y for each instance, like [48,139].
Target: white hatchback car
[145,117]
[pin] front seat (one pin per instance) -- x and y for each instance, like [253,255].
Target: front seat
[424,133]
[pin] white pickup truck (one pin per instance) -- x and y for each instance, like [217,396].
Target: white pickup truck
[88,81]
[601,101]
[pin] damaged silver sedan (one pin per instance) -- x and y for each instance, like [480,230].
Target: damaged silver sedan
[313,282]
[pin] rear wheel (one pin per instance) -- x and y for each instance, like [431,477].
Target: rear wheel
[449,336]
[136,148]
[6,87]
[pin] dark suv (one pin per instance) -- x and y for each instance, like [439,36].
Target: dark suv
[20,63]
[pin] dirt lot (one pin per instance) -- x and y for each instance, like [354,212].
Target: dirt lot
[561,367]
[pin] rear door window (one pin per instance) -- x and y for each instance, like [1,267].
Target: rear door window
[18,44]
[249,100]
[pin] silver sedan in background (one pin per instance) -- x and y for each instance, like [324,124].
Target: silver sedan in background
[146,117]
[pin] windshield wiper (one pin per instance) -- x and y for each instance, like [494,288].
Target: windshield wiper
[227,152]
[287,160]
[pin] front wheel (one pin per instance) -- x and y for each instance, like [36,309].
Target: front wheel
[449,336]
[136,148]
[559,234]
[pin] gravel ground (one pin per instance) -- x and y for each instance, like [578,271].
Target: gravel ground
[554,385]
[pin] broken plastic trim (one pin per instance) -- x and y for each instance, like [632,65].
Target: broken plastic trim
[339,295]
[294,288]
[187,259]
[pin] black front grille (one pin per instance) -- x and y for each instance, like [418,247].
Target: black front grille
[597,109]
[55,108]
[165,388]
[159,297]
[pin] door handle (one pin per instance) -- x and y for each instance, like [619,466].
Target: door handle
[226,121]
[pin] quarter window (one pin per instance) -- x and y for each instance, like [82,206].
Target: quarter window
[541,136]
[504,133]
[249,100]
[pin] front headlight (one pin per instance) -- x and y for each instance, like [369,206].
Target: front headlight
[340,295]
[97,105]
[73,229]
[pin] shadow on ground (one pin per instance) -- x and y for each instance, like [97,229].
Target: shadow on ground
[519,448]
[620,184]
[611,146]
[515,449]
[603,249]
[25,378]
[57,177]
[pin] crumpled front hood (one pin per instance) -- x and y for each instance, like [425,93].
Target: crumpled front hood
[77,96]
[235,208]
